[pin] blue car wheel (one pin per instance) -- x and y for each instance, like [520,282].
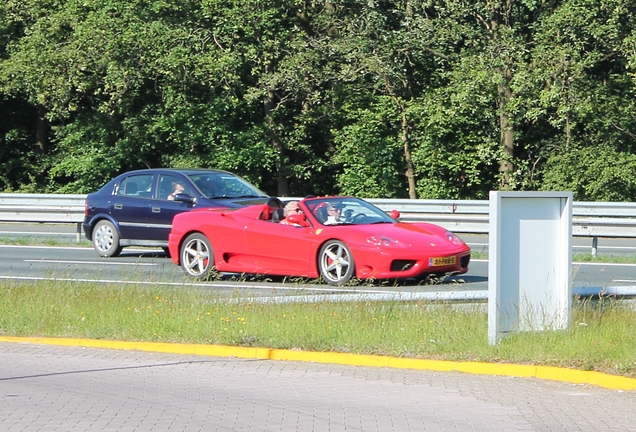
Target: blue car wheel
[106,239]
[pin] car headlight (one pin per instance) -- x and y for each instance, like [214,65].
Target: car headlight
[453,238]
[380,241]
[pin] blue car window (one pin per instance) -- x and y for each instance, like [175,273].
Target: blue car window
[121,187]
[136,186]
[170,184]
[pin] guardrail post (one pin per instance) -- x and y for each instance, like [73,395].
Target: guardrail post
[78,234]
[594,246]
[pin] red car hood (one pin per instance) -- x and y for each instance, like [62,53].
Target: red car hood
[410,235]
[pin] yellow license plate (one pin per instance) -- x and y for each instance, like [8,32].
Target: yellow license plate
[446,261]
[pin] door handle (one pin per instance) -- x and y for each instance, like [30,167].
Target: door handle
[156,209]
[118,206]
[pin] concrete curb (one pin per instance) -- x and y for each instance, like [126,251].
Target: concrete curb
[502,369]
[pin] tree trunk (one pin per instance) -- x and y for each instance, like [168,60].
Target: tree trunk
[504,94]
[281,179]
[42,129]
[506,166]
[410,171]
[568,131]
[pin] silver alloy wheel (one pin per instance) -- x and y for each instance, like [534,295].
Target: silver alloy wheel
[197,258]
[335,263]
[106,239]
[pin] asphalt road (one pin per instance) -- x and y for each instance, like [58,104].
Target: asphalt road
[137,265]
[80,262]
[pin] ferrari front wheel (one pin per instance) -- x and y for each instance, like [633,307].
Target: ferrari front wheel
[335,263]
[197,258]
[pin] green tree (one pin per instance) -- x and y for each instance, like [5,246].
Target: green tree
[580,74]
[126,85]
[417,98]
[380,49]
[592,173]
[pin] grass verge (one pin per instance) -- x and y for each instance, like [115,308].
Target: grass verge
[602,336]
[44,241]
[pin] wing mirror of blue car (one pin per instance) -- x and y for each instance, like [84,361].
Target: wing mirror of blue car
[394,214]
[297,219]
[183,197]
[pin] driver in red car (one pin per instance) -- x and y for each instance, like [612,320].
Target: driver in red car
[291,212]
[291,208]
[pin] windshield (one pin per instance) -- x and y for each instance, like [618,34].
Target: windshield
[224,185]
[346,211]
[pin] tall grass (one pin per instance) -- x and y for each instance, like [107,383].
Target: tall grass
[602,335]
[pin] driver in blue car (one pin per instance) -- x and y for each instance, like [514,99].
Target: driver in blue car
[177,189]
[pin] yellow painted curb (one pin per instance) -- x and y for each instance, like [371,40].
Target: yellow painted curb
[599,379]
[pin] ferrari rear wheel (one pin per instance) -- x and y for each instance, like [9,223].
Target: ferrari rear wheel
[335,263]
[197,258]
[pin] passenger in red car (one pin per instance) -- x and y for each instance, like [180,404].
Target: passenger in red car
[333,214]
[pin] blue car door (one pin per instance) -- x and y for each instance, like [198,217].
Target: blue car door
[164,207]
[130,206]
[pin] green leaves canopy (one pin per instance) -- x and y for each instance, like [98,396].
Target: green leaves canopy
[428,99]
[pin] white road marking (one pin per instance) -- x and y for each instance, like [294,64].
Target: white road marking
[604,264]
[203,284]
[579,263]
[605,247]
[75,248]
[573,246]
[44,247]
[156,250]
[33,233]
[90,262]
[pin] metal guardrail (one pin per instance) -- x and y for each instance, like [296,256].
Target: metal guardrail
[464,216]
[46,208]
[589,219]
[43,208]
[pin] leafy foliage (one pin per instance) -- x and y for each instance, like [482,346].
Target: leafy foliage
[599,173]
[416,98]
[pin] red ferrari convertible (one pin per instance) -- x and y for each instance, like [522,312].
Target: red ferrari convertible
[336,238]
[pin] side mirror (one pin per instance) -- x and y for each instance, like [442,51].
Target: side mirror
[298,219]
[394,214]
[184,197]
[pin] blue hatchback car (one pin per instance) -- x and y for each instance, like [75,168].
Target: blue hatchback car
[137,207]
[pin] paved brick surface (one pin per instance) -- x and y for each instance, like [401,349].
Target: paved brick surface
[51,388]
